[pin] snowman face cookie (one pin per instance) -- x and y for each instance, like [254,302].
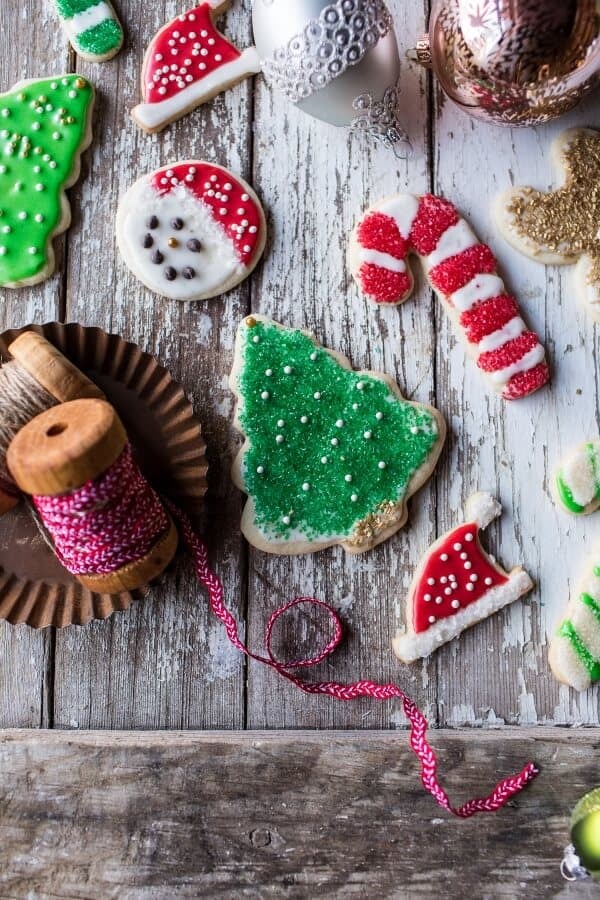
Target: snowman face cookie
[191,231]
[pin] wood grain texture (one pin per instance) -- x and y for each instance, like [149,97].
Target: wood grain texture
[25,675]
[166,663]
[270,814]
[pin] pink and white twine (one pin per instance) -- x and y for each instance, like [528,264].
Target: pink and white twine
[116,519]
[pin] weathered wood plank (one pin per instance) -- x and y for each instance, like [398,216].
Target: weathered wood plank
[27,53]
[316,190]
[513,449]
[165,664]
[262,814]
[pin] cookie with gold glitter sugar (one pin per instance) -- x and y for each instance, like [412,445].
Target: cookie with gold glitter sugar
[562,227]
[45,125]
[331,456]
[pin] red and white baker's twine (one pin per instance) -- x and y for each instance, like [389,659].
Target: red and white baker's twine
[115,520]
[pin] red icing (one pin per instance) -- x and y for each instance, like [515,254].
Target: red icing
[193,46]
[383,285]
[488,316]
[454,273]
[509,353]
[434,216]
[526,382]
[379,232]
[219,190]
[475,566]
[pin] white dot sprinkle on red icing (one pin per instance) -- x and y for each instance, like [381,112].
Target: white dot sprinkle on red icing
[205,182]
[468,574]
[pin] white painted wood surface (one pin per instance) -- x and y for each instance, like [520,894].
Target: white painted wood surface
[167,664]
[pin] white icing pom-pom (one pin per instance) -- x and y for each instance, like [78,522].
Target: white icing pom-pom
[482,509]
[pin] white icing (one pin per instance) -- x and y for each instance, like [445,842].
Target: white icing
[500,337]
[454,240]
[385,260]
[531,359]
[482,508]
[91,17]
[578,474]
[215,265]
[480,288]
[402,209]
[152,115]
[410,647]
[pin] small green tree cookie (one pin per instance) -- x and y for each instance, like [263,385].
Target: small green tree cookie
[331,456]
[44,128]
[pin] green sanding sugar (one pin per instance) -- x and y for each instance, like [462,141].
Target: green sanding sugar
[43,125]
[327,446]
[101,39]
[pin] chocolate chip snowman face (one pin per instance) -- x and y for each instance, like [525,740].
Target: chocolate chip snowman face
[191,231]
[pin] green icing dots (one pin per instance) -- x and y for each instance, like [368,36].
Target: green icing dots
[327,446]
[43,125]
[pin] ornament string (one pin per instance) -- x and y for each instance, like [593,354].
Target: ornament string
[112,520]
[500,795]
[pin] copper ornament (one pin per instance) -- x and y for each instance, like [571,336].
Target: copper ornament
[514,62]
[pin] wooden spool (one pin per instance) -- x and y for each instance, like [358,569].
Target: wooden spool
[55,373]
[62,449]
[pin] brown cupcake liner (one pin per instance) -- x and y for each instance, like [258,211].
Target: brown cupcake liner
[35,589]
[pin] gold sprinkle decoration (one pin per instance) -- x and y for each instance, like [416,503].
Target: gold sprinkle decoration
[173,242]
[388,515]
[250,322]
[80,83]
[566,221]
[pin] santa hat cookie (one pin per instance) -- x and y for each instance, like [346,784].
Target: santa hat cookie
[191,231]
[457,585]
[463,273]
[188,63]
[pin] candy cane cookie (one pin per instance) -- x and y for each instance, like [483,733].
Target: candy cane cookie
[577,481]
[92,27]
[575,649]
[463,273]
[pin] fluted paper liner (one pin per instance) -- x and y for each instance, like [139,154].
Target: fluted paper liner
[167,438]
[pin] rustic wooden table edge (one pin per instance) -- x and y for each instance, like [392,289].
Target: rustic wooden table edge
[267,813]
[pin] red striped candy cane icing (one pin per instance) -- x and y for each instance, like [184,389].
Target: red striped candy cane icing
[462,271]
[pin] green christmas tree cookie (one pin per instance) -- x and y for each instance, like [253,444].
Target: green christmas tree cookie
[44,127]
[331,456]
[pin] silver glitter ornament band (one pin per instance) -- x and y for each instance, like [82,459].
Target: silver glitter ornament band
[327,47]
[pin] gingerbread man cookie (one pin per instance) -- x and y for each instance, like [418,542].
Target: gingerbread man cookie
[463,273]
[331,456]
[457,585]
[189,62]
[562,227]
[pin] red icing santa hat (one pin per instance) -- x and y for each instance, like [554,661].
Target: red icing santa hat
[457,585]
[232,207]
[188,63]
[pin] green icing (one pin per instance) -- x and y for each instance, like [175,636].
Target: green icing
[597,571]
[592,605]
[69,8]
[43,125]
[297,496]
[101,39]
[590,662]
[566,497]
